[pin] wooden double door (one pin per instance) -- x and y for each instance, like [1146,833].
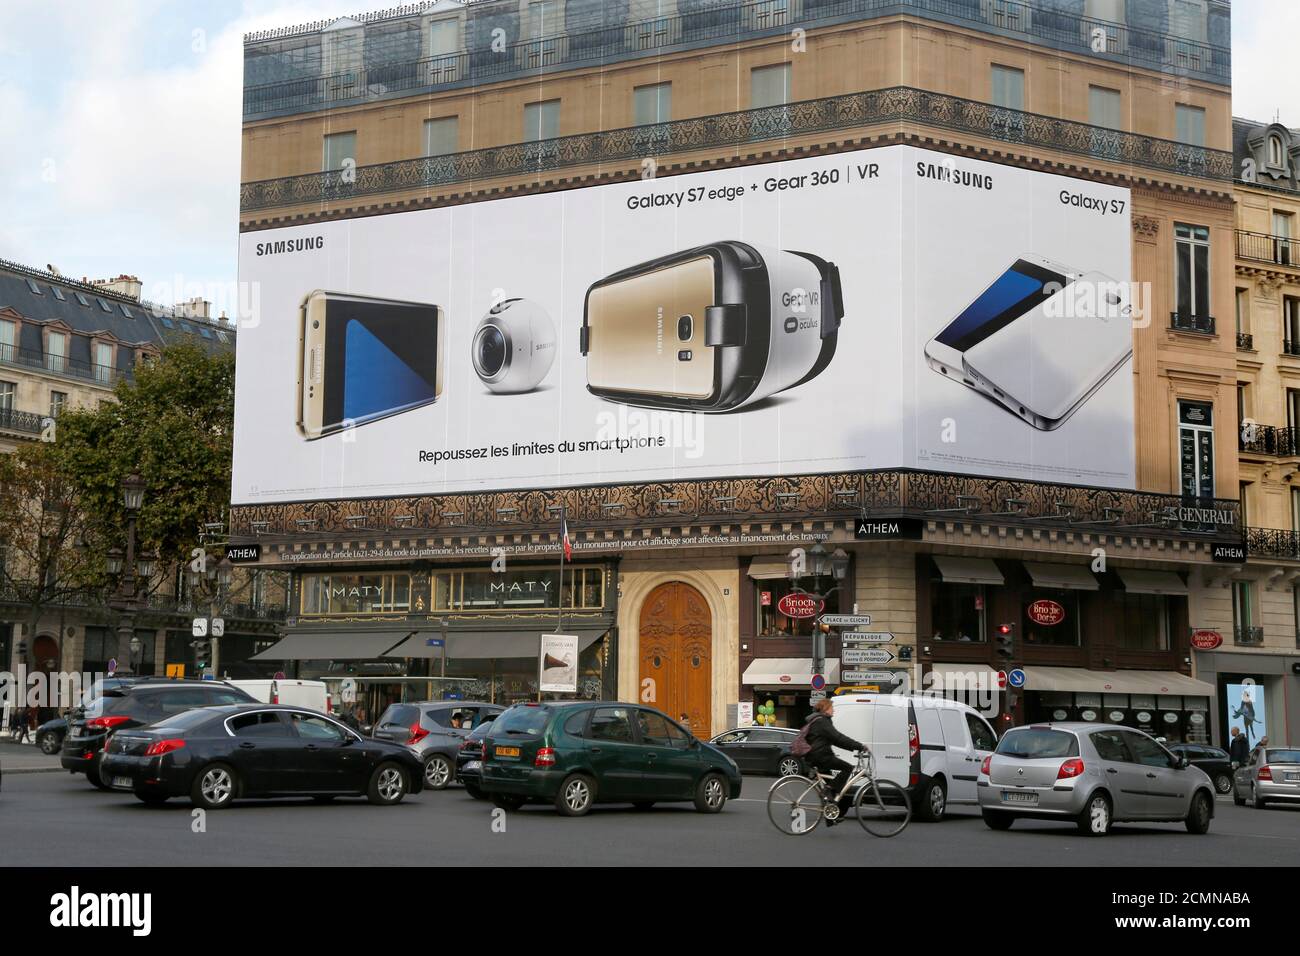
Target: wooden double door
[677,655]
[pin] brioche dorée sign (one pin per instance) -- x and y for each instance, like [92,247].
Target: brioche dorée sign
[1045,612]
[800,605]
[1206,640]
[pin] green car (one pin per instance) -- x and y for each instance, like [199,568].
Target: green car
[579,753]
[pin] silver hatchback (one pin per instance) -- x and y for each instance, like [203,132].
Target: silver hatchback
[1093,775]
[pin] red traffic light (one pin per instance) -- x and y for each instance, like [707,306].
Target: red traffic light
[1005,628]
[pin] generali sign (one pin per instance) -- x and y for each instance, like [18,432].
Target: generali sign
[800,605]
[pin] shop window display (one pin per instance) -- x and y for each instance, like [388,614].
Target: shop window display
[1143,621]
[1050,618]
[772,623]
[957,611]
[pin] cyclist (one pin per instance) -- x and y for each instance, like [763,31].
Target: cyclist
[821,735]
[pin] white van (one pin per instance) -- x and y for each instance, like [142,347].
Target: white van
[297,693]
[932,746]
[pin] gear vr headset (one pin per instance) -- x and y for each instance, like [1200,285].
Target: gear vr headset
[711,329]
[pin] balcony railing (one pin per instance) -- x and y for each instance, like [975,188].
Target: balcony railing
[1268,440]
[1273,543]
[11,419]
[104,375]
[632,144]
[1261,247]
[1245,342]
[239,611]
[1248,636]
[1200,324]
[718,23]
[1290,347]
[837,496]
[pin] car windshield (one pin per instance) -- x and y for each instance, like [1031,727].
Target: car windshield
[1284,756]
[524,721]
[1032,743]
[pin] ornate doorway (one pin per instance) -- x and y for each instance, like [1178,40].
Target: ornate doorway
[677,654]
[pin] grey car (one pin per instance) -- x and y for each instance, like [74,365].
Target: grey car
[435,730]
[1093,775]
[1271,775]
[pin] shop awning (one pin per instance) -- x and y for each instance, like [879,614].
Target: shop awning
[787,672]
[1079,679]
[1073,576]
[1141,581]
[329,647]
[968,570]
[483,645]
[769,568]
[962,677]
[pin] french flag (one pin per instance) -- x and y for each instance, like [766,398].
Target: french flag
[564,536]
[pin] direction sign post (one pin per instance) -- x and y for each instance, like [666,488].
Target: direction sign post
[846,620]
[866,655]
[871,677]
[866,637]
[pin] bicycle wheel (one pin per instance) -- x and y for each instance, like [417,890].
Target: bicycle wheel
[882,807]
[794,805]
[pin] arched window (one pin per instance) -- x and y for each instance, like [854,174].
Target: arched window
[1275,150]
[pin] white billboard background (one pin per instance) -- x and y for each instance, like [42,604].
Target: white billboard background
[912,254]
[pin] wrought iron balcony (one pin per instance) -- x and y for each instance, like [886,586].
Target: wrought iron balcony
[11,419]
[1245,342]
[731,501]
[1273,543]
[244,611]
[1290,347]
[1200,324]
[834,113]
[1248,635]
[1261,247]
[1268,440]
[104,375]
[384,68]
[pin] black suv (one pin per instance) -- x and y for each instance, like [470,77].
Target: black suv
[134,705]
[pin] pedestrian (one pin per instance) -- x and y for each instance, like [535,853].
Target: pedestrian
[1238,748]
[685,721]
[26,722]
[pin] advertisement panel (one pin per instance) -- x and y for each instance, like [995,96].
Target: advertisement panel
[883,308]
[1246,711]
[558,664]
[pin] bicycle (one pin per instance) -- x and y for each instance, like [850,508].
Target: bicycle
[797,804]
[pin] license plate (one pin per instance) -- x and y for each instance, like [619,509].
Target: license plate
[473,765]
[1292,777]
[122,783]
[507,752]
[1016,796]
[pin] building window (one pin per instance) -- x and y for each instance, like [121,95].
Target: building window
[8,340]
[444,37]
[1275,152]
[1192,271]
[1295,509]
[769,85]
[1243,611]
[332,594]
[1243,312]
[7,392]
[652,104]
[1284,251]
[1008,87]
[340,151]
[1243,497]
[1064,632]
[1291,324]
[1144,621]
[57,401]
[1293,408]
[103,362]
[1189,124]
[1104,107]
[956,610]
[771,622]
[441,135]
[35,289]
[523,590]
[101,647]
[1196,449]
[541,121]
[56,351]
[1243,401]
[58,293]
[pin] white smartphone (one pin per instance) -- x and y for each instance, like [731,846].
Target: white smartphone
[1045,365]
[1023,287]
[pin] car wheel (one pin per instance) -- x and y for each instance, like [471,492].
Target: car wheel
[1256,800]
[1095,820]
[997,819]
[506,801]
[152,799]
[711,793]
[387,785]
[437,773]
[50,743]
[93,775]
[214,787]
[575,795]
[1237,798]
[1198,815]
[789,767]
[932,801]
[1222,783]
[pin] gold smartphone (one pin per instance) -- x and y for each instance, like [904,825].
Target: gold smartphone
[363,358]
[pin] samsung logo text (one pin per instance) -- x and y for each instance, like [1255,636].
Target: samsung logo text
[75,910]
[290,245]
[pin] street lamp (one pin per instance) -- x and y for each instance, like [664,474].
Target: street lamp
[127,599]
[817,565]
[132,493]
[137,652]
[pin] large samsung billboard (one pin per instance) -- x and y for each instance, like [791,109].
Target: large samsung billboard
[884,308]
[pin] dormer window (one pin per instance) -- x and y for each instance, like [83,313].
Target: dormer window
[103,363]
[56,351]
[1276,155]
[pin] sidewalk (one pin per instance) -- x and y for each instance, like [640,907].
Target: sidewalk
[25,758]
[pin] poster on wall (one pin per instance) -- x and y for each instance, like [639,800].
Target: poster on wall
[558,664]
[1247,711]
[883,308]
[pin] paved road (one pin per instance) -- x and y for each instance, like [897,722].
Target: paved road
[56,819]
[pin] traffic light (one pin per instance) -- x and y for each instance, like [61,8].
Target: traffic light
[200,655]
[1006,641]
[22,651]
[820,631]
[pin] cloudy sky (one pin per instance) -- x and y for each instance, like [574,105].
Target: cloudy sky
[120,148]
